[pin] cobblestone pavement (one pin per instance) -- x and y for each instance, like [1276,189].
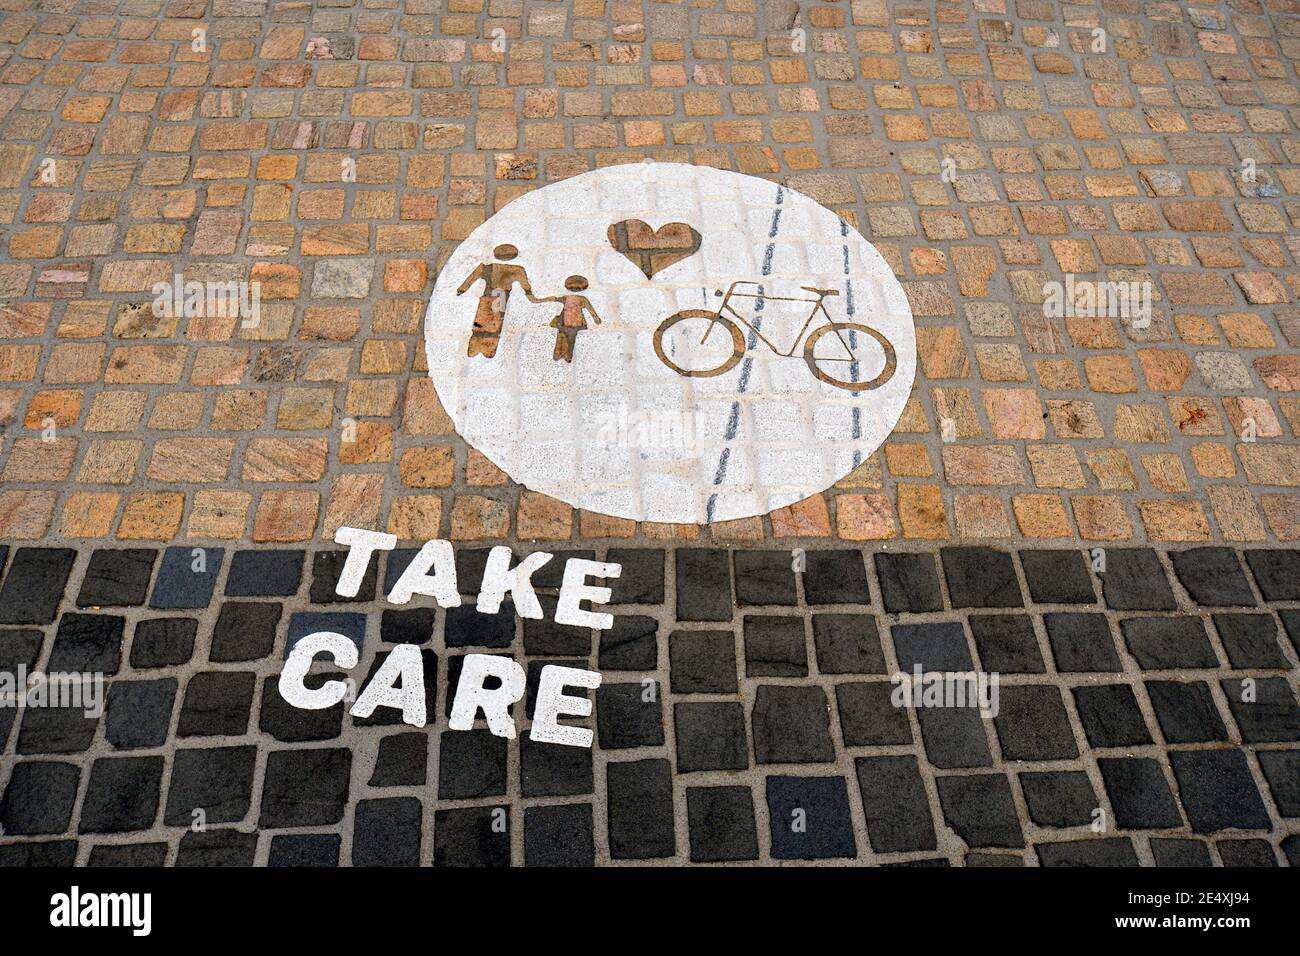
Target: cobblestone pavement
[1145,714]
[335,152]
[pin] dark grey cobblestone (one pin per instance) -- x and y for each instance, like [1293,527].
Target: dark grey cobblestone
[747,714]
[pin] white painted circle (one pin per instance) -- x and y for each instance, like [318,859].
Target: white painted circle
[617,431]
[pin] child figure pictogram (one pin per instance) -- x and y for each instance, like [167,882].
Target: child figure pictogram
[572,317]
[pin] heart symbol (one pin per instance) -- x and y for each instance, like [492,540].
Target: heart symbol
[653,250]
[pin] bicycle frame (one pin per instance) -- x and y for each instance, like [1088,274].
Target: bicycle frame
[818,306]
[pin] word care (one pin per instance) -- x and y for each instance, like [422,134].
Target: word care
[399,680]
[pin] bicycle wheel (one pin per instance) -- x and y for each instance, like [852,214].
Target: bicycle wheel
[850,356]
[686,343]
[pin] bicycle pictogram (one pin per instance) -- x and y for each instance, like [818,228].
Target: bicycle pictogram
[682,341]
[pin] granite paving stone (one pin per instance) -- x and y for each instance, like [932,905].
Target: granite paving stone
[1282,771]
[127,854]
[640,809]
[908,582]
[551,770]
[289,724]
[33,585]
[1104,851]
[775,646]
[386,832]
[764,577]
[389,716]
[1081,642]
[1276,572]
[326,566]
[630,645]
[809,818]
[1246,853]
[117,578]
[467,836]
[216,704]
[642,580]
[269,573]
[1006,643]
[38,798]
[868,717]
[213,848]
[471,764]
[835,577]
[560,835]
[304,849]
[710,736]
[121,795]
[407,627]
[244,631]
[721,823]
[350,624]
[895,805]
[401,761]
[1172,851]
[1216,789]
[981,810]
[1168,643]
[1213,576]
[702,662]
[215,780]
[546,637]
[1059,798]
[138,713]
[465,627]
[1057,576]
[1250,641]
[1110,715]
[1134,580]
[1265,709]
[703,584]
[87,644]
[185,578]
[163,641]
[847,644]
[954,737]
[1032,724]
[56,730]
[981,577]
[533,681]
[932,647]
[791,725]
[303,788]
[1139,794]
[1186,712]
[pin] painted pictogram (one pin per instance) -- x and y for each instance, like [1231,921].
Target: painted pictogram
[723,345]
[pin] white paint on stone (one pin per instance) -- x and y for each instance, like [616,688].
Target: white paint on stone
[472,696]
[292,688]
[403,663]
[499,579]
[598,432]
[552,703]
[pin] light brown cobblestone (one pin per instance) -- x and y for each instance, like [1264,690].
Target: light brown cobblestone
[335,154]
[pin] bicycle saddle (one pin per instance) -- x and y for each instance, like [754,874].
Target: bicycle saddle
[808,288]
